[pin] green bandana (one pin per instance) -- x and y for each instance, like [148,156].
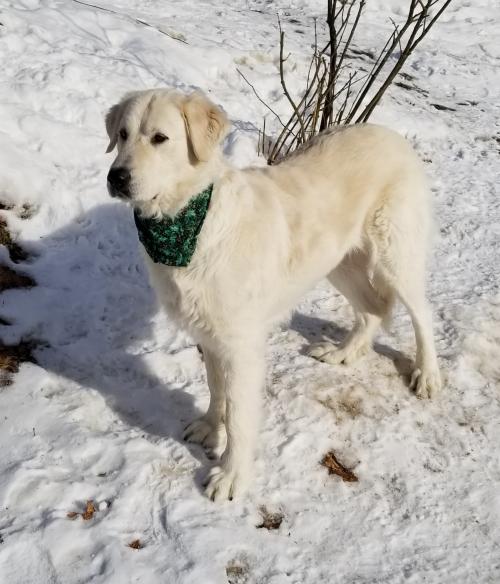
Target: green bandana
[173,241]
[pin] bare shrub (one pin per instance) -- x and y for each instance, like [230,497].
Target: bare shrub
[337,91]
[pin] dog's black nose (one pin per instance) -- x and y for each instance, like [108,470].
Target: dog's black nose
[119,180]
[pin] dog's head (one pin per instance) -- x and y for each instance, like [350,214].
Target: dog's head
[165,140]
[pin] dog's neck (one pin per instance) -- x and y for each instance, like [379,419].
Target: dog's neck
[172,242]
[171,202]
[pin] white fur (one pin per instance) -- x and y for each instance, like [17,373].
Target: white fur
[352,206]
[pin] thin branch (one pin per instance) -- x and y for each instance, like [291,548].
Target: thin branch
[138,20]
[412,42]
[283,84]
[260,99]
[374,73]
[431,23]
[328,107]
[353,30]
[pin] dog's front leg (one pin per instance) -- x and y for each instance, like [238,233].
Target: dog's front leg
[209,429]
[244,367]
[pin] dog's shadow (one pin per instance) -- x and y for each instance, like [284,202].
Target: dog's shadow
[92,311]
[315,329]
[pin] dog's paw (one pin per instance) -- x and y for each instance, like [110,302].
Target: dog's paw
[425,383]
[210,436]
[333,355]
[225,484]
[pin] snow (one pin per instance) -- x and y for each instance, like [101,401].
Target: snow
[101,416]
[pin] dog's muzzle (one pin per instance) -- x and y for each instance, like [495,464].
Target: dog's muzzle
[119,183]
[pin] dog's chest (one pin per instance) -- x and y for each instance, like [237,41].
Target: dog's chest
[185,298]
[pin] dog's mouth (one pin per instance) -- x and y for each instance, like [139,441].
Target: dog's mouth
[121,186]
[119,193]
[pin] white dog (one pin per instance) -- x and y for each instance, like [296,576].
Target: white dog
[352,205]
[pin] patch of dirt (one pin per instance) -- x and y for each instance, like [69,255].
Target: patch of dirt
[343,405]
[11,356]
[335,467]
[25,211]
[347,404]
[11,279]
[495,141]
[406,76]
[237,572]
[16,252]
[360,54]
[411,87]
[270,521]
[443,108]
[350,405]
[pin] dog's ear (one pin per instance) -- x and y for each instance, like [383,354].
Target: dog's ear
[207,125]
[112,121]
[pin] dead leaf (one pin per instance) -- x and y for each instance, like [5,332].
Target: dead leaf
[89,511]
[135,545]
[335,467]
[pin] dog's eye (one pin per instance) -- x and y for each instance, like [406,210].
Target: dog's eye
[123,134]
[158,138]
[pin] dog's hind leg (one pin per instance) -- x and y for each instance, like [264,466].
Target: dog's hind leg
[426,379]
[356,344]
[407,279]
[209,430]
[371,305]
[402,231]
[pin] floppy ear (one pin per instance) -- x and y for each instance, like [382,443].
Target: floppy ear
[112,121]
[206,124]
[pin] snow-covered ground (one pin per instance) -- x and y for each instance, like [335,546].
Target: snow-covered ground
[101,417]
